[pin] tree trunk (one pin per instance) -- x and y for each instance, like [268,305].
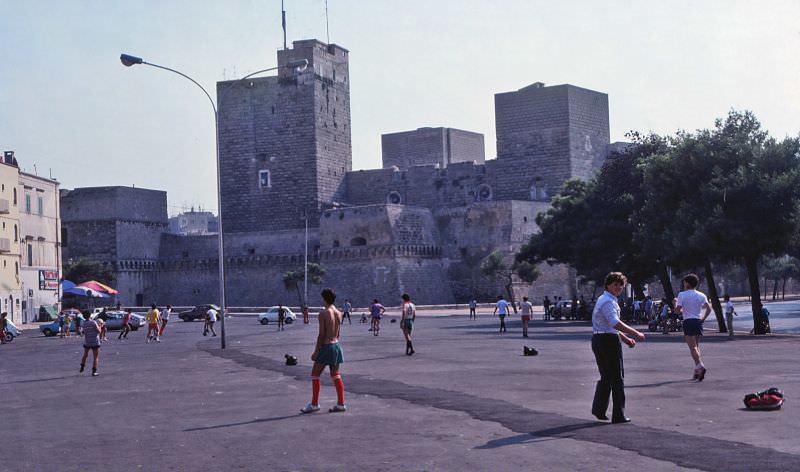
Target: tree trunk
[775,289]
[714,295]
[299,295]
[751,263]
[766,288]
[666,284]
[783,289]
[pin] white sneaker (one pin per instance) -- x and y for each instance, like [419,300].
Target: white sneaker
[338,408]
[310,408]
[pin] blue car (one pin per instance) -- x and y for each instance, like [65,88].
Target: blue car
[52,328]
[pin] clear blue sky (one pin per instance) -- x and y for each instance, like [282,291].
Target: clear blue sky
[68,105]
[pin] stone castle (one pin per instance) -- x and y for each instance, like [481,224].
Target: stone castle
[420,224]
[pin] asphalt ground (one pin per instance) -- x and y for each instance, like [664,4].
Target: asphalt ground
[467,400]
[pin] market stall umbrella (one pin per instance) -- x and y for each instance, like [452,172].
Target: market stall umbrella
[66,285]
[86,292]
[98,287]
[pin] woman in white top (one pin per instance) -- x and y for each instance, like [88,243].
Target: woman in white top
[729,313]
[690,303]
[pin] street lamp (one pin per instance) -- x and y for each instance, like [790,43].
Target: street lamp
[300,65]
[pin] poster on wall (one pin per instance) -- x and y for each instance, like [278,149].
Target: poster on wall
[48,280]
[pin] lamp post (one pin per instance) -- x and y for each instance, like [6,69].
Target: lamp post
[128,60]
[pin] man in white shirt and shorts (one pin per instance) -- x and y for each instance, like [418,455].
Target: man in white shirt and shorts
[690,303]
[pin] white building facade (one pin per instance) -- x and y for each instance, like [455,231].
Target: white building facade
[40,224]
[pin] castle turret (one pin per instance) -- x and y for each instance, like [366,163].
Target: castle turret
[285,141]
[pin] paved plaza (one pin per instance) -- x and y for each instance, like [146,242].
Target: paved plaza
[467,401]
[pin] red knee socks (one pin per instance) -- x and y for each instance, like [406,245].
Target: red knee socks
[315,385]
[337,382]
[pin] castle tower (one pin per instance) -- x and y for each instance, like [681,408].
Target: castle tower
[563,127]
[285,141]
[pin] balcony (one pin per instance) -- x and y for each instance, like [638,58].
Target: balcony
[4,206]
[5,245]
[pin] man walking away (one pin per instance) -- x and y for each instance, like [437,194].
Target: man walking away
[91,333]
[527,312]
[211,318]
[607,332]
[690,303]
[501,309]
[546,304]
[152,317]
[407,317]
[165,320]
[376,310]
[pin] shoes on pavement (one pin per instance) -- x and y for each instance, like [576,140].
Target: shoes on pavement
[701,374]
[82,367]
[95,373]
[621,419]
[310,408]
[337,408]
[600,416]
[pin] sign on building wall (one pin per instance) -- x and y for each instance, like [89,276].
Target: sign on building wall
[48,280]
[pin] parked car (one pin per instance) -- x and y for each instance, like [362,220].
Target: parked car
[271,316]
[114,320]
[197,313]
[12,331]
[52,328]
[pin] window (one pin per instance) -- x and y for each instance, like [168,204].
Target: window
[394,198]
[264,179]
[16,268]
[15,197]
[358,242]
[30,255]
[40,201]
[16,234]
[28,203]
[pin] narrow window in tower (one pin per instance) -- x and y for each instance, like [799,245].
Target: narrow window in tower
[264,179]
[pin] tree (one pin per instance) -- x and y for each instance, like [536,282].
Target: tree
[757,198]
[590,224]
[494,267]
[466,276]
[293,279]
[84,270]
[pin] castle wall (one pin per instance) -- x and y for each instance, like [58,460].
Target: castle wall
[431,146]
[285,141]
[588,132]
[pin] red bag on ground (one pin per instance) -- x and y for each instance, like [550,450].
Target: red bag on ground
[770,399]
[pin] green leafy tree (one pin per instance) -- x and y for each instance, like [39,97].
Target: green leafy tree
[84,270]
[495,267]
[756,198]
[293,279]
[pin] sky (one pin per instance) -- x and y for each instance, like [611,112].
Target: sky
[69,109]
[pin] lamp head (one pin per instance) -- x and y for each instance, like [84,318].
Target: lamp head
[128,60]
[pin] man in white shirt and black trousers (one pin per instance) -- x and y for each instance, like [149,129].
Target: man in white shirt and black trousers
[608,330]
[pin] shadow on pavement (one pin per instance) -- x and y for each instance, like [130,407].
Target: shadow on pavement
[243,423]
[538,436]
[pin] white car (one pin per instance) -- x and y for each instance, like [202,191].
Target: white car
[271,316]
